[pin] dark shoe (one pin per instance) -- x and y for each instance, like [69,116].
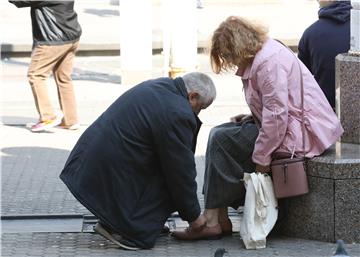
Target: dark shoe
[165,230]
[226,227]
[106,227]
[201,233]
[128,245]
[122,243]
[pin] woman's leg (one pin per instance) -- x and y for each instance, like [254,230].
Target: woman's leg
[228,156]
[212,216]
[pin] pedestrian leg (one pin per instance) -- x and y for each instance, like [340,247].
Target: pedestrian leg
[66,94]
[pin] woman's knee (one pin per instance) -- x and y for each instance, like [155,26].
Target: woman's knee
[217,134]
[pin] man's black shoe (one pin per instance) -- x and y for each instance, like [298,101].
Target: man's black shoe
[122,243]
[165,231]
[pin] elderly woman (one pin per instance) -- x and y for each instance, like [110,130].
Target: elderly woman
[272,77]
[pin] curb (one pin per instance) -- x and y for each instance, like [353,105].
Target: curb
[109,49]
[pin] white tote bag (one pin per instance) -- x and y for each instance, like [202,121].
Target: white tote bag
[260,210]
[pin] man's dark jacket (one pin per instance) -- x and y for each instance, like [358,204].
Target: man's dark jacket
[323,41]
[135,165]
[53,22]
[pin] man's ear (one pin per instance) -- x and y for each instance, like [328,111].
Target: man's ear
[193,96]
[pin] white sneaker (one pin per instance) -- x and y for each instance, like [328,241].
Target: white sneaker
[75,126]
[46,124]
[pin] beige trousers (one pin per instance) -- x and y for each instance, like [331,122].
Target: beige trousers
[57,59]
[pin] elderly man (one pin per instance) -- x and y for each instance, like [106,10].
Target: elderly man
[135,165]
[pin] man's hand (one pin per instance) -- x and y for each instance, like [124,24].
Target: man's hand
[200,221]
[262,169]
[240,117]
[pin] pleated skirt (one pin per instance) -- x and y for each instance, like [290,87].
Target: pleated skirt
[228,156]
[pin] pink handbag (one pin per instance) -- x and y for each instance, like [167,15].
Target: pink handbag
[289,177]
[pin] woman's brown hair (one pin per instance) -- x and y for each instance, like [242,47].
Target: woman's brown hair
[235,43]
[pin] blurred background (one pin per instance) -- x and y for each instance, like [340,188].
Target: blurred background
[127,41]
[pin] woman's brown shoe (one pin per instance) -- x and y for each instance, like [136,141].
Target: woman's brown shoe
[226,227]
[200,233]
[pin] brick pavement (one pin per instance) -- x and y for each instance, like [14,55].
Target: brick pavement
[31,165]
[88,244]
[30,171]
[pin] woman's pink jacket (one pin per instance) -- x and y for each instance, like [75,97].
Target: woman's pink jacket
[273,94]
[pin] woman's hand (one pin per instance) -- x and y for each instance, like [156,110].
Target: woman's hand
[240,118]
[262,169]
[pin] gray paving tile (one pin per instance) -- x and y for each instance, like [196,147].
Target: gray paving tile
[88,244]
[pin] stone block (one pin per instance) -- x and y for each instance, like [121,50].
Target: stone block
[347,79]
[331,210]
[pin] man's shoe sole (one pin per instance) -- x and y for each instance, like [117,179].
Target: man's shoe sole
[103,232]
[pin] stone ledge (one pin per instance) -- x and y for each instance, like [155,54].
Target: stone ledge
[341,161]
[331,210]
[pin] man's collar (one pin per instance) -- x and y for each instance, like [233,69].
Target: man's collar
[180,85]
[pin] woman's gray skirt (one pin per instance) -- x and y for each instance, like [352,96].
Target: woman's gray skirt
[228,156]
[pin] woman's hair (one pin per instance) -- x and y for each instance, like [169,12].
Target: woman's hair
[202,84]
[235,43]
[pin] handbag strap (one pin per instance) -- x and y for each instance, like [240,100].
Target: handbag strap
[302,103]
[302,110]
[257,122]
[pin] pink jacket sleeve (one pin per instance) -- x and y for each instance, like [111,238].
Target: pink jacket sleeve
[272,83]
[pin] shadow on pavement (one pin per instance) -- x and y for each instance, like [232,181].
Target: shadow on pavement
[79,74]
[102,12]
[21,122]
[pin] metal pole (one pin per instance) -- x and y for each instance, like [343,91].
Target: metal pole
[355,28]
[166,36]
[183,37]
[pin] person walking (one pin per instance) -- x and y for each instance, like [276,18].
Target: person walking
[56,33]
[135,164]
[322,41]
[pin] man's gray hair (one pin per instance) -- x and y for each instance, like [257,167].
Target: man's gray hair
[202,84]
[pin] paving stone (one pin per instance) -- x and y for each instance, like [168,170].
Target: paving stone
[88,244]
